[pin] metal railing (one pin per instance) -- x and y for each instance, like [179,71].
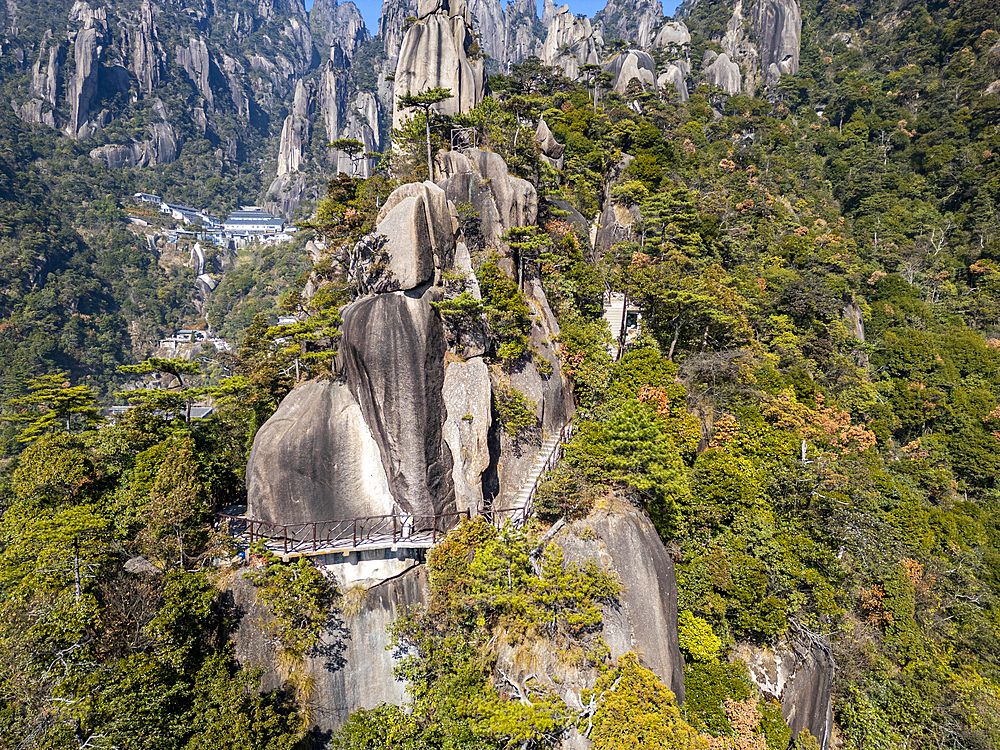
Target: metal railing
[519,515]
[316,536]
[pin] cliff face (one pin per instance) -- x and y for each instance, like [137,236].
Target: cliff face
[571,42]
[634,22]
[435,52]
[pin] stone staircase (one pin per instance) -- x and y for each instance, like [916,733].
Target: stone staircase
[526,496]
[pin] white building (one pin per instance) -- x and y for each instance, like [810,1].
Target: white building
[252,222]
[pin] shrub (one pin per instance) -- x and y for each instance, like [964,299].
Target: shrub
[515,412]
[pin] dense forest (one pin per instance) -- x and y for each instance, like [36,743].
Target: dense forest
[810,415]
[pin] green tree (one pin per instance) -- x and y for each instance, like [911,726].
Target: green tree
[424,101]
[52,404]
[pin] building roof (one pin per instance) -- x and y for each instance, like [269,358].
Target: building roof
[252,217]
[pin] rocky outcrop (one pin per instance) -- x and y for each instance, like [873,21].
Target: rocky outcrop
[340,27]
[195,60]
[720,71]
[435,53]
[523,32]
[777,29]
[467,427]
[646,619]
[392,353]
[799,674]
[516,199]
[571,43]
[315,459]
[462,183]
[488,22]
[634,22]
[631,65]
[392,26]
[673,75]
[88,50]
[160,148]
[352,665]
[673,34]
[295,131]
[417,222]
[643,621]
[552,151]
[147,55]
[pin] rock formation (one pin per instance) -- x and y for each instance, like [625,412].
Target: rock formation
[634,22]
[673,75]
[148,56]
[777,28]
[552,150]
[645,620]
[467,427]
[88,49]
[631,65]
[435,53]
[352,668]
[195,60]
[392,26]
[523,33]
[720,71]
[295,131]
[571,43]
[673,34]
[340,27]
[315,459]
[392,353]
[425,210]
[488,23]
[799,674]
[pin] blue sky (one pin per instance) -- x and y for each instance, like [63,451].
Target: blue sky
[370,9]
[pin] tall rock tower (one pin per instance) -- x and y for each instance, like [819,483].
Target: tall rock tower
[438,50]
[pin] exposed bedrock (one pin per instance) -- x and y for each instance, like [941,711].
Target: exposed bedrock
[523,33]
[777,27]
[88,51]
[417,221]
[571,42]
[488,22]
[466,429]
[633,64]
[315,459]
[673,75]
[516,199]
[340,27]
[721,71]
[799,674]
[673,33]
[644,619]
[352,666]
[392,352]
[552,151]
[434,53]
[633,21]
[462,183]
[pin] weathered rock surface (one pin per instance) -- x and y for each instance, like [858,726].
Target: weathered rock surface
[646,620]
[410,258]
[516,199]
[673,33]
[295,131]
[160,148]
[315,459]
[798,673]
[462,183]
[552,150]
[777,27]
[488,22]
[197,64]
[88,50]
[634,22]
[571,42]
[466,429]
[524,33]
[391,25]
[340,27]
[724,73]
[392,353]
[633,64]
[352,666]
[672,75]
[433,202]
[148,57]
[434,53]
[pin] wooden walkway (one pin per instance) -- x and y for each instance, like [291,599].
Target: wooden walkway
[393,532]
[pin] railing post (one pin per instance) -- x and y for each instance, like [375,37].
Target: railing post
[354,531]
[285,528]
[393,528]
[314,536]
